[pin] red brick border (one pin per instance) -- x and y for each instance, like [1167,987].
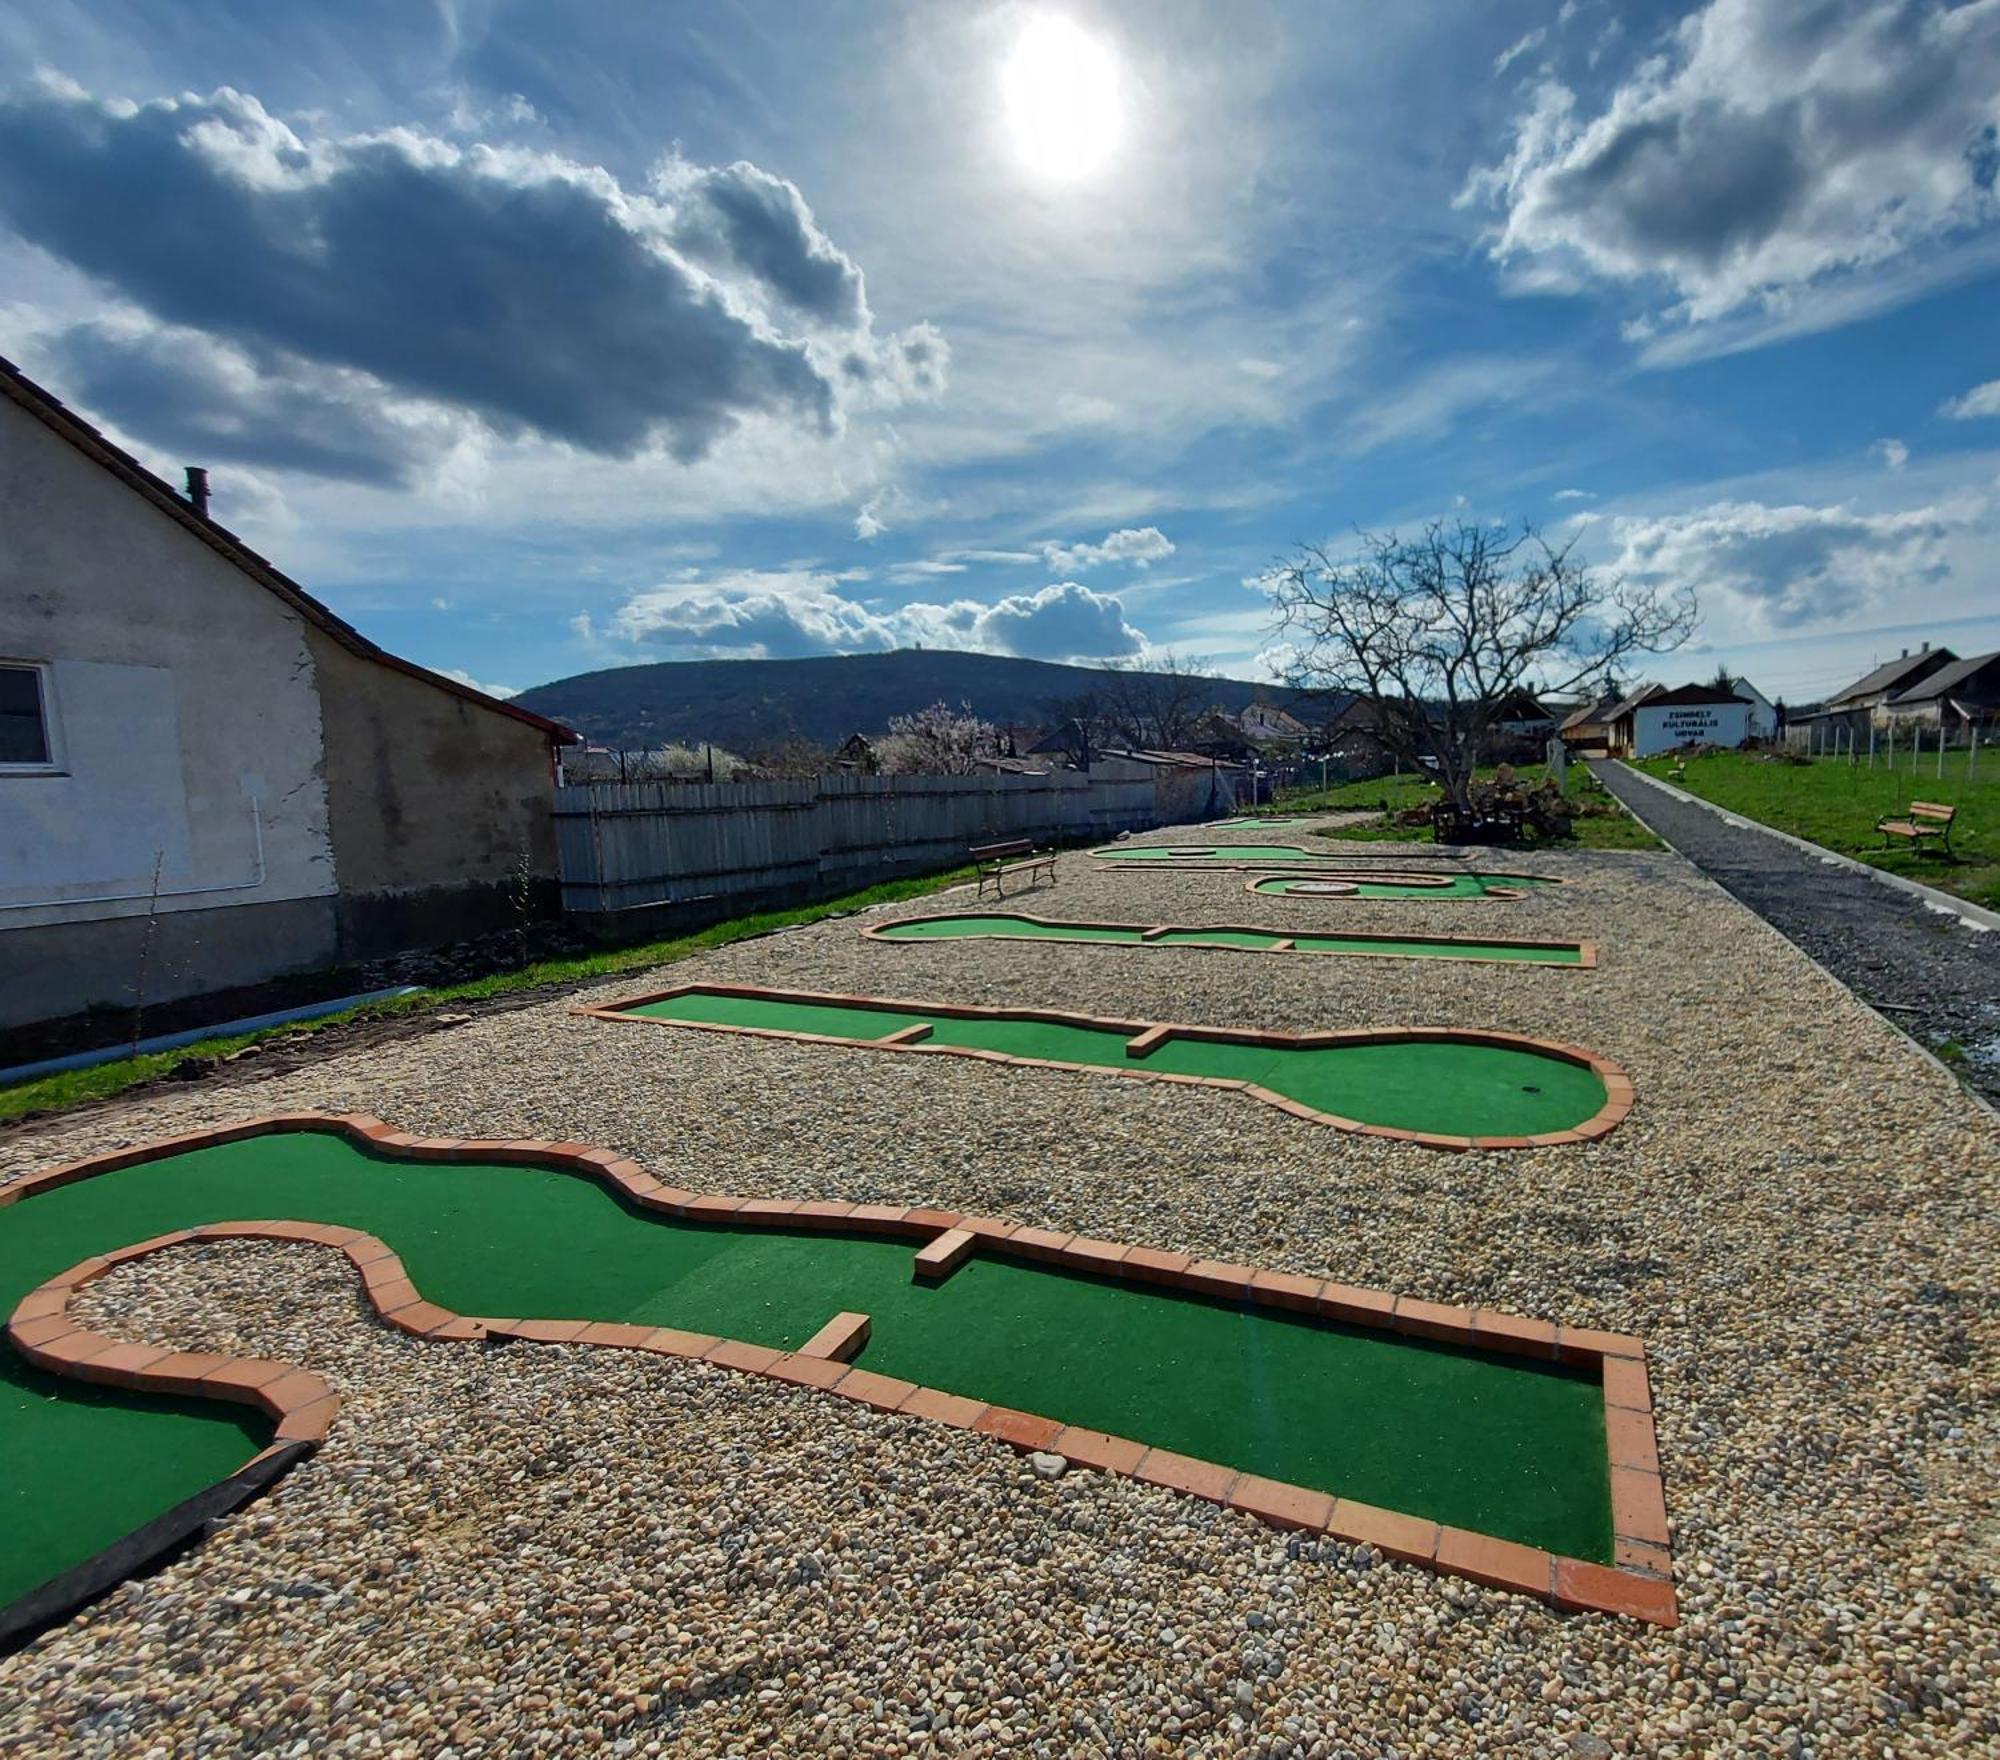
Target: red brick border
[1147,1036]
[1149,937]
[1639,1585]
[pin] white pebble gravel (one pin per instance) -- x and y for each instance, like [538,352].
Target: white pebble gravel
[550,1550]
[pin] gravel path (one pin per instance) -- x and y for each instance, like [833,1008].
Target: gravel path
[1932,976]
[552,1550]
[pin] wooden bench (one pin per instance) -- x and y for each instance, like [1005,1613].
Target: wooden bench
[1926,819]
[1012,855]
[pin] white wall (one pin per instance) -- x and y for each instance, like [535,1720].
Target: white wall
[1660,730]
[184,696]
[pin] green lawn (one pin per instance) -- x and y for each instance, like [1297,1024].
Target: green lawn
[1603,824]
[1836,804]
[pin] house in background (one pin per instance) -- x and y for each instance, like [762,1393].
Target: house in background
[1586,731]
[203,768]
[1955,698]
[1655,720]
[1867,698]
[1763,712]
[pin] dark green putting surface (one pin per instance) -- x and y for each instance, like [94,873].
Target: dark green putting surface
[1209,852]
[1445,1087]
[1456,885]
[1258,940]
[82,1466]
[1501,1445]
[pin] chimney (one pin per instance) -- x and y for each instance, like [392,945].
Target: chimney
[197,489]
[1925,649]
[1906,653]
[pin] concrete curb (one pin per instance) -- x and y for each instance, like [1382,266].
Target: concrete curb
[1974,916]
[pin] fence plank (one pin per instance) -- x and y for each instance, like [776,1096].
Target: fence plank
[623,845]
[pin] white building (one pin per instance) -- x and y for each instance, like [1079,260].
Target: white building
[205,775]
[1763,712]
[1696,714]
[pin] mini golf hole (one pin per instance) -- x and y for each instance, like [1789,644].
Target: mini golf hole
[1530,1088]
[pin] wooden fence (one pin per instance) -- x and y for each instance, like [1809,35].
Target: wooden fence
[622,846]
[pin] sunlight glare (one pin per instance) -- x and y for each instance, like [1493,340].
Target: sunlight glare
[1059,89]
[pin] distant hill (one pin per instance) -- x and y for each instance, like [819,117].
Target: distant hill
[746,705]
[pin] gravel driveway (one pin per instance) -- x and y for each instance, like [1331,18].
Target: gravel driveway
[556,1550]
[1928,973]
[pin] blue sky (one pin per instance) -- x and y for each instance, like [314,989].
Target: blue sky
[545,336]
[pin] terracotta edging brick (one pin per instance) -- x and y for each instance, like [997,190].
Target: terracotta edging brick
[1638,1586]
[1586,951]
[1144,1037]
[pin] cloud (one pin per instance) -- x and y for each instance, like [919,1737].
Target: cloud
[1141,547]
[1790,565]
[209,400]
[1574,495]
[532,294]
[465,678]
[794,613]
[1893,453]
[1770,146]
[1981,400]
[1526,46]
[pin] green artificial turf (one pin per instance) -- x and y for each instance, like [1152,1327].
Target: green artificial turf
[1498,1444]
[1445,1086]
[82,1466]
[972,926]
[1208,852]
[1456,885]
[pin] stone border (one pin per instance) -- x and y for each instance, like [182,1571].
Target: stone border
[1145,1037]
[1638,1584]
[1586,950]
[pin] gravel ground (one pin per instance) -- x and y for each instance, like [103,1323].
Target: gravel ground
[1936,978]
[545,1549]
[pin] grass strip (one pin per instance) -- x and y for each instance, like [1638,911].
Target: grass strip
[67,1088]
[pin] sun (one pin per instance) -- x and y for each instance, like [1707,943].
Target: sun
[1059,91]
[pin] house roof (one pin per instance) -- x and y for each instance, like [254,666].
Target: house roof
[1625,705]
[1690,696]
[1947,680]
[1886,678]
[54,414]
[1590,714]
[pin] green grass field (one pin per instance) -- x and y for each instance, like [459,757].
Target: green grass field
[1604,824]
[1836,804]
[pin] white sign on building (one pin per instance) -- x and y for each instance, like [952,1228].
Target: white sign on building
[1656,729]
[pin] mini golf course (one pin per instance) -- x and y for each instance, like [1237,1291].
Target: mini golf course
[1328,884]
[1212,855]
[1214,1369]
[1434,1085]
[1014,926]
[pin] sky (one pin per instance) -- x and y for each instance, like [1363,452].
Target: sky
[545,336]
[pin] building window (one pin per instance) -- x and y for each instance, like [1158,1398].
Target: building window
[27,741]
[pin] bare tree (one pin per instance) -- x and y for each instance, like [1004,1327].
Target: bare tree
[1434,633]
[938,741]
[1159,701]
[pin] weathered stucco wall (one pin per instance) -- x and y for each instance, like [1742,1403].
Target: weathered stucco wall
[187,729]
[432,803]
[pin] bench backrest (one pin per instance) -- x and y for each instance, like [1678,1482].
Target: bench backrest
[1932,810]
[1012,846]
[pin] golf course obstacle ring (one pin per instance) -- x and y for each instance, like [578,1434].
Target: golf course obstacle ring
[1019,926]
[1326,883]
[1508,1090]
[1512,1451]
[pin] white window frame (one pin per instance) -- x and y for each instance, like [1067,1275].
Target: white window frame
[53,765]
